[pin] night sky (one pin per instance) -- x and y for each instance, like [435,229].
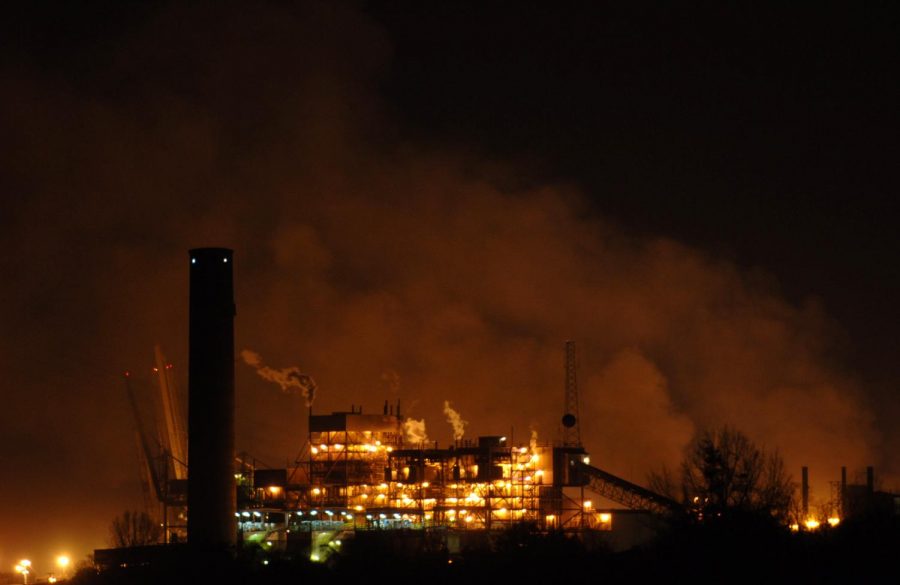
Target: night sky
[426,199]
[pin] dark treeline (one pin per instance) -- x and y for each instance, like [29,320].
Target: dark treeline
[737,551]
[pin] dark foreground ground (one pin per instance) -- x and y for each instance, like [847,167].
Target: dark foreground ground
[865,552]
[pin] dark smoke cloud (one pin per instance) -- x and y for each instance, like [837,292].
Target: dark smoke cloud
[356,254]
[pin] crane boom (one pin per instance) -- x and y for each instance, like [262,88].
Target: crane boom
[145,452]
[175,436]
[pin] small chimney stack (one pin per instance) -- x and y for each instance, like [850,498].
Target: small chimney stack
[844,504]
[805,491]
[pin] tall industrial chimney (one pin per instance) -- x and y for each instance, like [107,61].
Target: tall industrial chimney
[211,487]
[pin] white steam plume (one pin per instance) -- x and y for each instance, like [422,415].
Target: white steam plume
[287,378]
[415,431]
[459,425]
[533,442]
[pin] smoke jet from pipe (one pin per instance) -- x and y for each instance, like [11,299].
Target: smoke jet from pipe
[459,425]
[287,378]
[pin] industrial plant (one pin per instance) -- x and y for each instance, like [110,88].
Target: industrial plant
[360,473]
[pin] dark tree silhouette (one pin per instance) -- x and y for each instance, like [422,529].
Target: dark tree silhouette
[724,474]
[134,529]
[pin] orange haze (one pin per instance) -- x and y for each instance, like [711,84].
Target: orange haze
[383,267]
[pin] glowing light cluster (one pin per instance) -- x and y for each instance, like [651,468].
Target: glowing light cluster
[380,487]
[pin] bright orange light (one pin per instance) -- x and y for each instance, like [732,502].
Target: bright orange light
[587,504]
[834,521]
[23,568]
[274,490]
[605,518]
[811,524]
[63,561]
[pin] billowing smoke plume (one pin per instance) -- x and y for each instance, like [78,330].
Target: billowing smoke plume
[415,431]
[456,421]
[362,255]
[288,378]
[533,442]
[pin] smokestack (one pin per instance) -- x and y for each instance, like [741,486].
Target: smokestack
[805,490]
[211,487]
[843,491]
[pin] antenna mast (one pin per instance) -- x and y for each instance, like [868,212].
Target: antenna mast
[571,431]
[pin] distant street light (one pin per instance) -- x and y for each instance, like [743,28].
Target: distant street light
[24,567]
[63,562]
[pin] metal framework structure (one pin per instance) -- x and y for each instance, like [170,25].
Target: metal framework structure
[359,475]
[624,492]
[571,429]
[160,453]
